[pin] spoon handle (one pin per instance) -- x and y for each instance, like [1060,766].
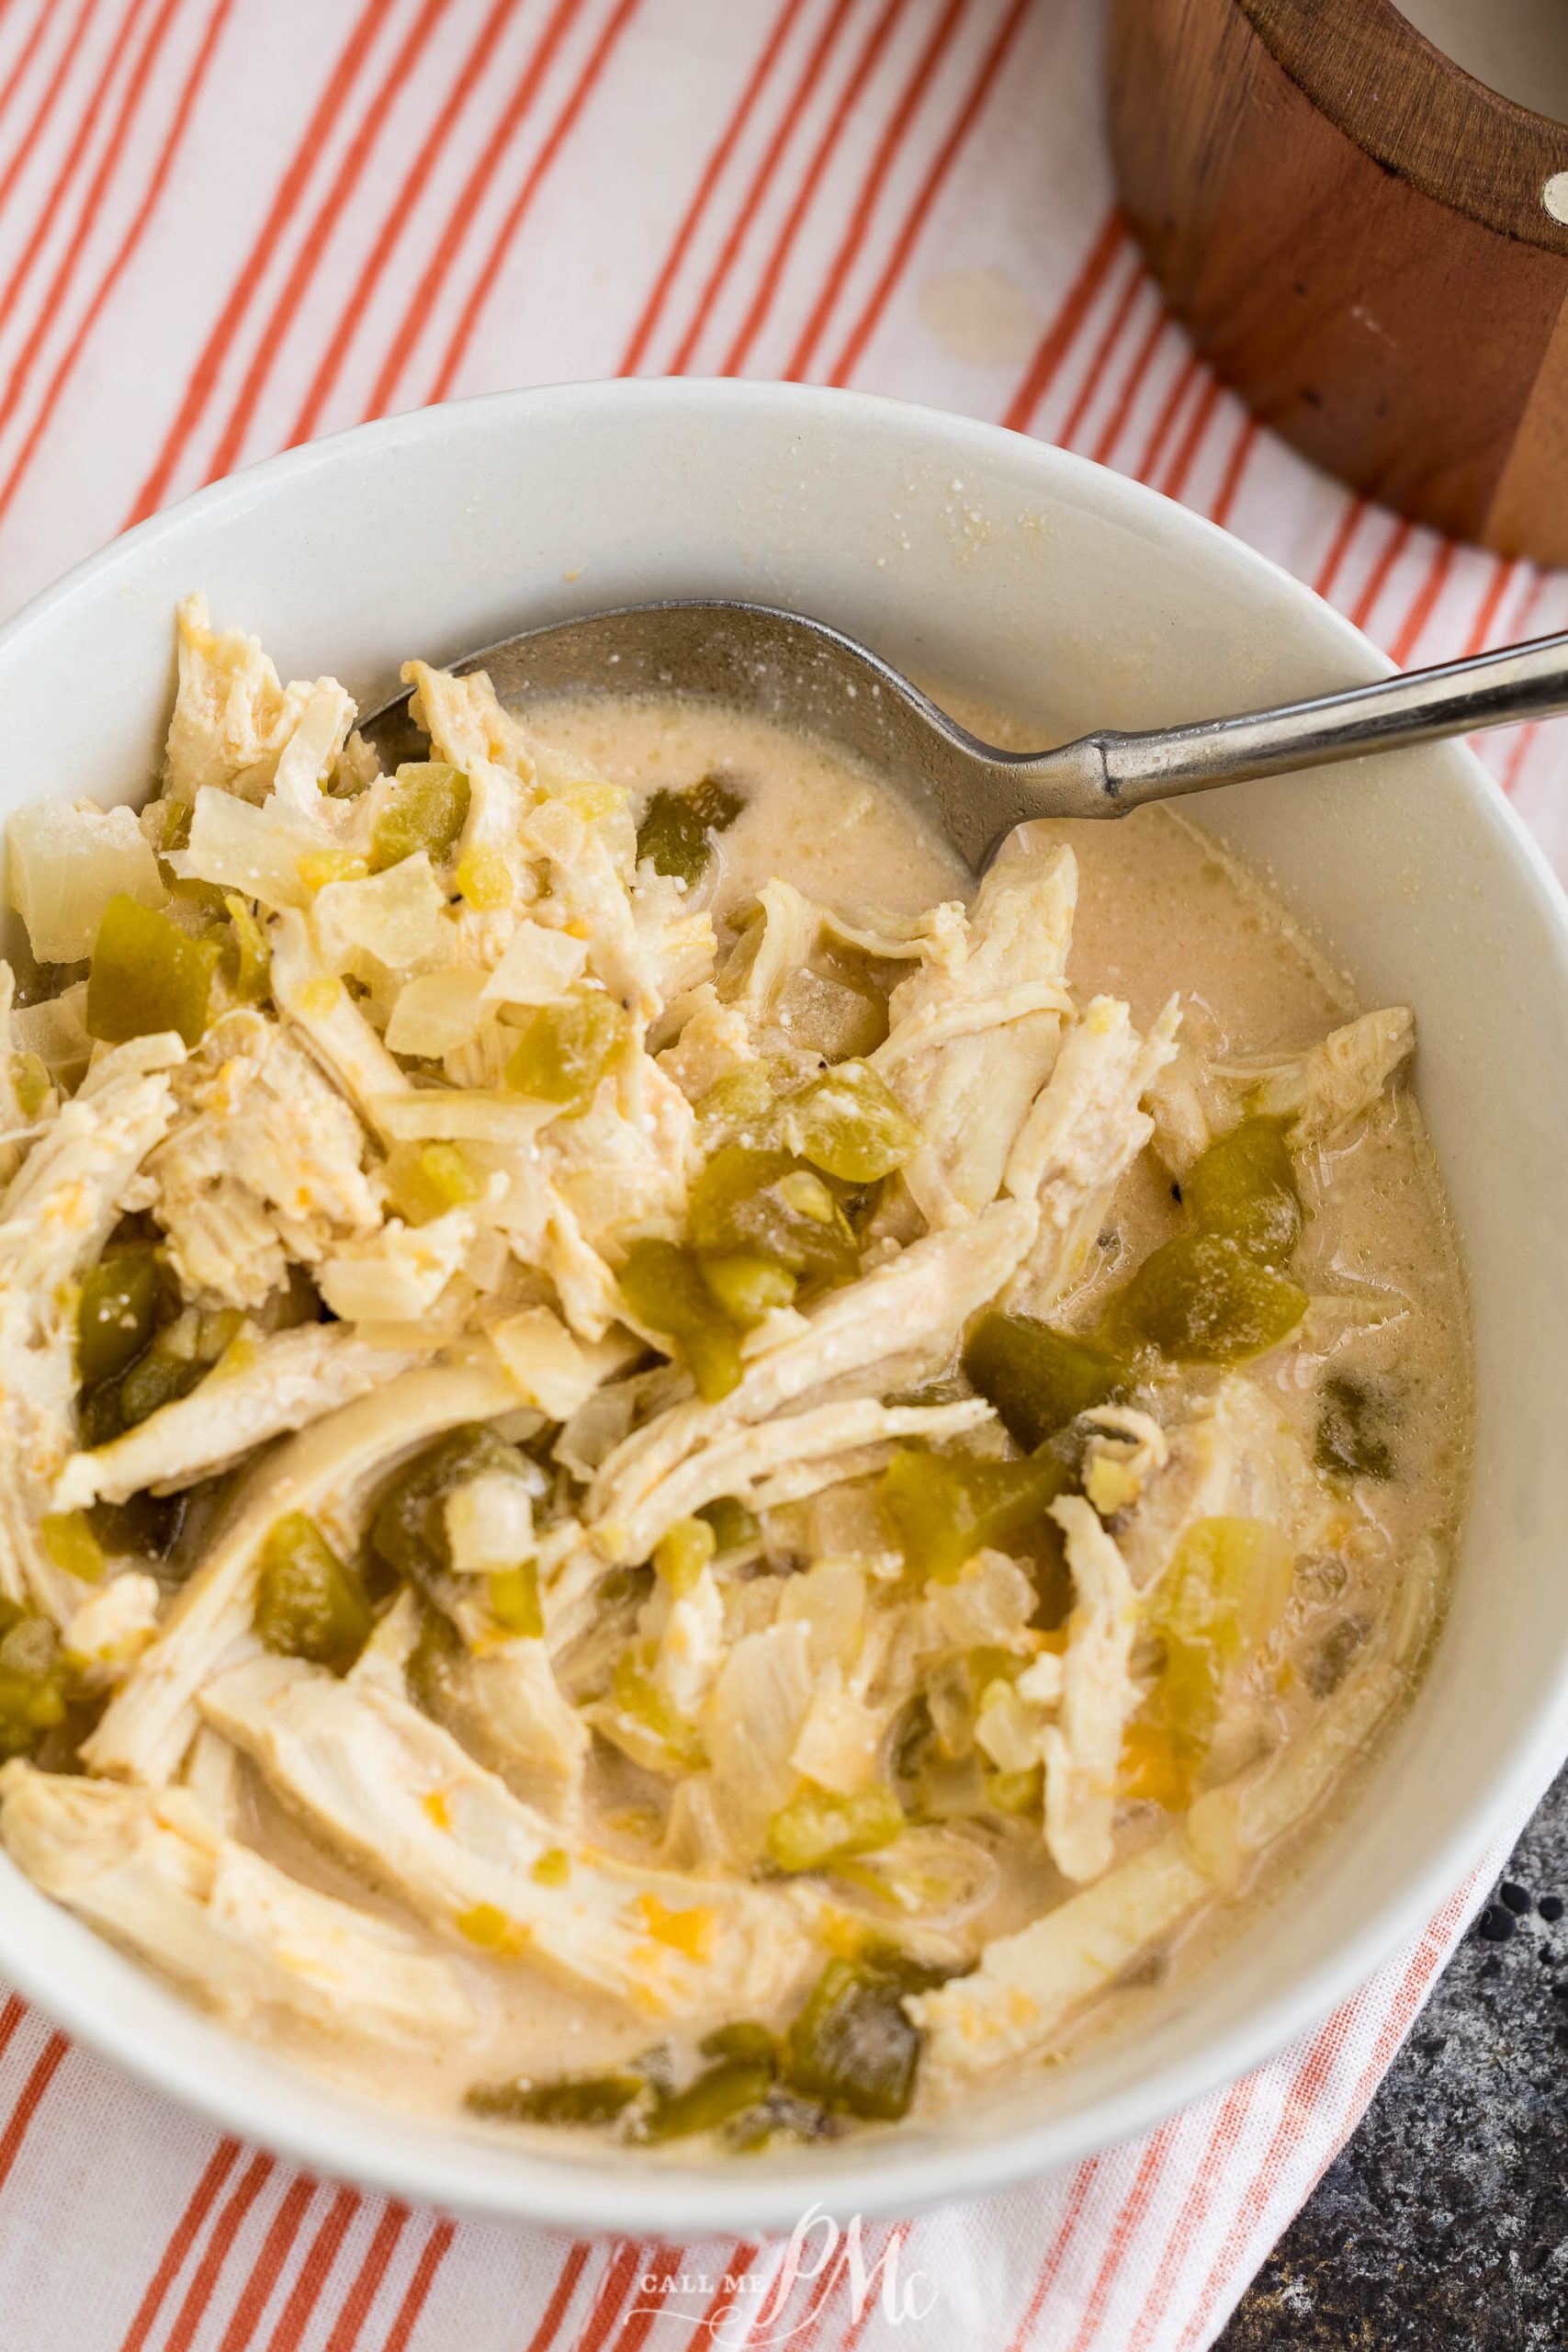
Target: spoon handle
[1495,689]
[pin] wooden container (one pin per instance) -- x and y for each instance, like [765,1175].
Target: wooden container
[1369,244]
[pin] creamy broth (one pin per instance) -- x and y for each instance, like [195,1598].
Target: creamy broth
[1363,1408]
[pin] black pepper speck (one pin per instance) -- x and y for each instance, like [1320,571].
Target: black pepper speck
[1516,1899]
[1551,1908]
[1495,1925]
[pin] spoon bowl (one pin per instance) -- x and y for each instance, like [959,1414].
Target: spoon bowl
[805,675]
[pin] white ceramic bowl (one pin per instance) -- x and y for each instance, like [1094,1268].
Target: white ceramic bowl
[1037,581]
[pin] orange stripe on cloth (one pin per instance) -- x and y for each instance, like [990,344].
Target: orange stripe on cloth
[1124,2231]
[428,152]
[432,2253]
[1138,282]
[24,56]
[883,156]
[335,93]
[664,2262]
[1077,2197]
[1192,442]
[355,2309]
[220,2245]
[306,2293]
[267,2268]
[713,171]
[19,2122]
[915,219]
[772,273]
[761,180]
[561,2293]
[1181,384]
[49,212]
[27,139]
[1422,605]
[622,2267]
[1230,2126]
[1132,385]
[1062,331]
[1306,2086]
[560,130]
[328,212]
[182,2237]
[1339,545]
[173,140]
[460,219]
[1226,497]
[1377,579]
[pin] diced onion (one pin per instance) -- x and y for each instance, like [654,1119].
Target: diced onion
[436,1011]
[241,847]
[398,916]
[66,864]
[490,1524]
[538,967]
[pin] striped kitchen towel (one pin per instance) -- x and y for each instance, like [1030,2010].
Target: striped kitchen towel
[228,225]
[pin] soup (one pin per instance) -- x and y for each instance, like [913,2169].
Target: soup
[674,1475]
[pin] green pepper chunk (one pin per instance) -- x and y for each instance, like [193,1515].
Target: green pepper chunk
[30,1084]
[682,1553]
[770,1204]
[849,1123]
[71,1542]
[514,1603]
[748,1287]
[427,808]
[1037,1378]
[1349,1441]
[36,1678]
[160,1377]
[247,960]
[744,2038]
[732,1523]
[563,1050]
[116,1313]
[852,2046]
[409,1530]
[677,828]
[1201,1299]
[639,1697]
[1220,1597]
[144,1525]
[663,1287]
[310,1603]
[424,1180]
[947,1507]
[1244,1187]
[821,1826]
[147,975]
[573,2100]
[728,2088]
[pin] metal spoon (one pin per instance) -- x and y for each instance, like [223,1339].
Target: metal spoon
[810,676]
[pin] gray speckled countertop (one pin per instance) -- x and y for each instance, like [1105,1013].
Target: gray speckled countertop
[1443,2225]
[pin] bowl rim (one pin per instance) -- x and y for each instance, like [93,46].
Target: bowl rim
[353,2141]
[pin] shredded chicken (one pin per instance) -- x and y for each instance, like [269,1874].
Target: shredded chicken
[54,1219]
[386,1786]
[252,1944]
[264,1389]
[324,1471]
[262,1167]
[972,1042]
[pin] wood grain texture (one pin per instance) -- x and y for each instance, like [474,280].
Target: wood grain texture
[1352,230]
